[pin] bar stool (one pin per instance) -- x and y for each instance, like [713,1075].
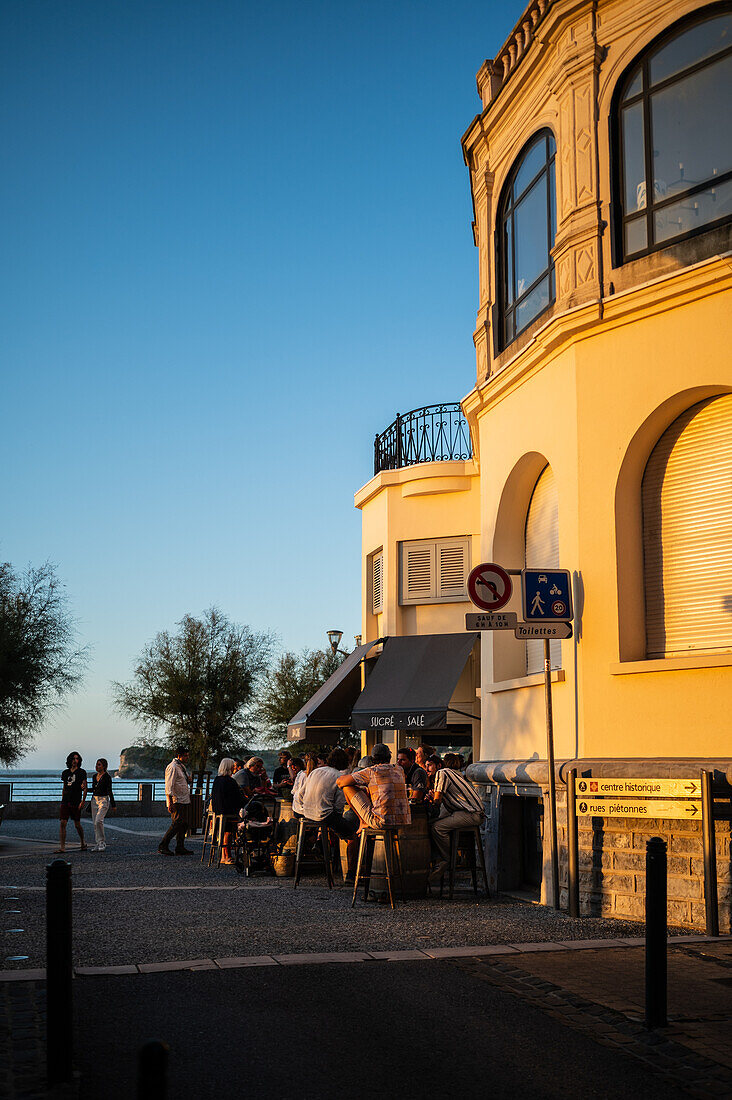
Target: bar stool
[466,841]
[302,825]
[208,831]
[222,824]
[389,836]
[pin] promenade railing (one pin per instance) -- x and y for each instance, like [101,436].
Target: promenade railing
[42,790]
[434,433]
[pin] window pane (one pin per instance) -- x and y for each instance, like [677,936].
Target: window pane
[635,87]
[694,45]
[533,161]
[692,133]
[530,227]
[509,260]
[634,161]
[636,236]
[533,304]
[693,212]
[552,206]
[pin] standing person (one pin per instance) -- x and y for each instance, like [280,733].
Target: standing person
[424,752]
[73,797]
[178,801]
[460,808]
[415,776]
[102,800]
[281,777]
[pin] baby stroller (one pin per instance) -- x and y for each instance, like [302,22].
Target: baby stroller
[256,839]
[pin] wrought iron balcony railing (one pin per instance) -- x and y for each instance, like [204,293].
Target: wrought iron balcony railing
[436,433]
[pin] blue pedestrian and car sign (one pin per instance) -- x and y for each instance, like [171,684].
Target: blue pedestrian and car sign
[546,595]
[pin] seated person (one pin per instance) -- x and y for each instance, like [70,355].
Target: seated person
[416,777]
[460,808]
[257,781]
[298,781]
[433,764]
[281,777]
[323,801]
[424,752]
[226,798]
[378,793]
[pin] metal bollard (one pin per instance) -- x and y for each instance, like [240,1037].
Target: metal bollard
[152,1071]
[59,1007]
[656,933]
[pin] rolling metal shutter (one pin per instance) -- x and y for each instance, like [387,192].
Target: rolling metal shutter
[542,552]
[687,533]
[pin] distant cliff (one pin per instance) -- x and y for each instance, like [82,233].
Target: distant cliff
[143,762]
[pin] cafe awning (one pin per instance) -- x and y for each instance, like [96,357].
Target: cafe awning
[329,709]
[413,682]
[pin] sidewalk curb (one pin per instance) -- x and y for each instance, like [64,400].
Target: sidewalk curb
[324,958]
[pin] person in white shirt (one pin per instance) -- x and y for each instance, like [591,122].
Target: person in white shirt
[178,801]
[324,802]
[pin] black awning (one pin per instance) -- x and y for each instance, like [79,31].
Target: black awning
[330,708]
[412,684]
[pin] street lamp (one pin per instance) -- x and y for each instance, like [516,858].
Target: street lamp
[357,640]
[334,637]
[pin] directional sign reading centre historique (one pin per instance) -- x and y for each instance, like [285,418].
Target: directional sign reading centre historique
[635,807]
[658,788]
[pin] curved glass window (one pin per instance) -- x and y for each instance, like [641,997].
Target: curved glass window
[526,228]
[674,128]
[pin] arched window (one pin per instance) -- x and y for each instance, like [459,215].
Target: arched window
[542,552]
[673,126]
[526,227]
[687,533]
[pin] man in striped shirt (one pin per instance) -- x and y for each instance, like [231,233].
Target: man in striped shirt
[460,808]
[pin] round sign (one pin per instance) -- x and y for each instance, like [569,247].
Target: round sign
[559,607]
[489,587]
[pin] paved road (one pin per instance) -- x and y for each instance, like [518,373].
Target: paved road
[344,1032]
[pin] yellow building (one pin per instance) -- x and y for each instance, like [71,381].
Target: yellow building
[601,426]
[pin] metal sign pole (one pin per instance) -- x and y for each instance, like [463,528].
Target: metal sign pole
[711,898]
[550,761]
[573,844]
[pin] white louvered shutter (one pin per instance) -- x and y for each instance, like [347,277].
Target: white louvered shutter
[542,552]
[687,533]
[418,571]
[452,568]
[377,576]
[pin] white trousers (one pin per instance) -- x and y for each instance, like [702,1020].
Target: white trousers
[99,807]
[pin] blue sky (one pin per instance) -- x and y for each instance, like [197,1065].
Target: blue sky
[236,241]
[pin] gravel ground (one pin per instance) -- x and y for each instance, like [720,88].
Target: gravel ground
[131,905]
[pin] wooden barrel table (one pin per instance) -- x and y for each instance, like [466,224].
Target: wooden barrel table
[414,845]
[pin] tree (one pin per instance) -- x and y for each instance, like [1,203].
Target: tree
[194,686]
[39,662]
[287,686]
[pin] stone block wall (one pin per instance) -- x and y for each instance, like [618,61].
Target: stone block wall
[612,860]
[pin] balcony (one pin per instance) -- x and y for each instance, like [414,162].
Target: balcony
[436,433]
